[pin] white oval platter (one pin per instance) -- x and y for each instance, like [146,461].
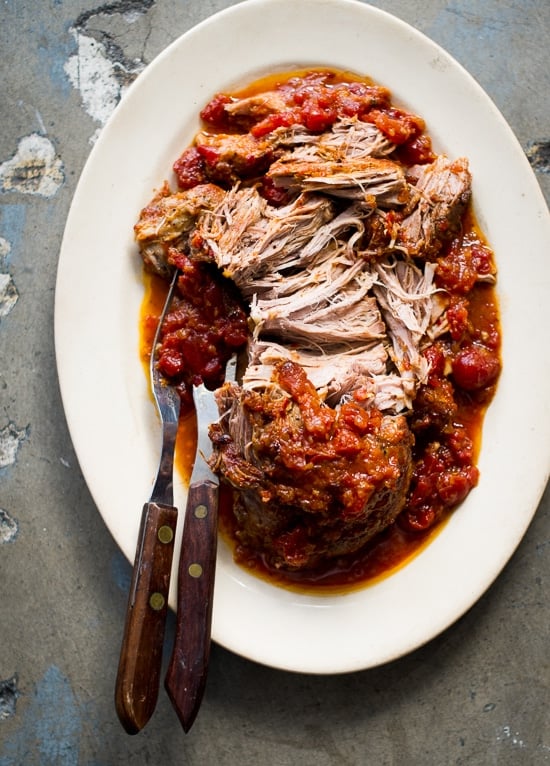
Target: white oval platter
[99,289]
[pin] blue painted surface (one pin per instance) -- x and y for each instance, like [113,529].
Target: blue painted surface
[52,55]
[12,226]
[49,728]
[475,39]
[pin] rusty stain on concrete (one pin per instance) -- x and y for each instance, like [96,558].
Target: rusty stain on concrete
[34,168]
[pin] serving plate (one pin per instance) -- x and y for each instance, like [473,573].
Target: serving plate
[99,290]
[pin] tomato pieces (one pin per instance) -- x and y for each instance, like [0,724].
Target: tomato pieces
[466,263]
[214,112]
[189,169]
[397,125]
[316,101]
[442,478]
[205,325]
[475,367]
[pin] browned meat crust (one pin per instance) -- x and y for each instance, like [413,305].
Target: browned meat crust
[444,188]
[313,482]
[166,221]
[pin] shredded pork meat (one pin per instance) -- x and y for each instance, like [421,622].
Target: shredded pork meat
[444,188]
[340,279]
[364,178]
[349,138]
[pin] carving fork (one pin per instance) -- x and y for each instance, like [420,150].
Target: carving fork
[137,683]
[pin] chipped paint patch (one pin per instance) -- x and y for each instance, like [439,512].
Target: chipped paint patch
[34,169]
[8,697]
[50,727]
[11,439]
[5,250]
[91,72]
[8,295]
[9,528]
[8,291]
[105,63]
[538,154]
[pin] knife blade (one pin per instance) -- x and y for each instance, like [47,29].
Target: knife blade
[188,666]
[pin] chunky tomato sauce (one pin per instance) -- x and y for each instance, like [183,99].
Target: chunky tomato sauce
[209,322]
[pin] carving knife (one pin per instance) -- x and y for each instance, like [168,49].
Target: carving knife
[188,667]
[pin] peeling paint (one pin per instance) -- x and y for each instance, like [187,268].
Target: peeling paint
[8,697]
[8,291]
[5,250]
[50,727]
[538,154]
[34,169]
[9,528]
[91,72]
[8,295]
[11,439]
[105,63]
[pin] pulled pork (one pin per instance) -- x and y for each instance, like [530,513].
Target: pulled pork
[345,254]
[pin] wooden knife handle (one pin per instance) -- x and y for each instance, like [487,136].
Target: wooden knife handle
[138,677]
[188,666]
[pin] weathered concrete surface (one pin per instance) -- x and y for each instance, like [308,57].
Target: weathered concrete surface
[476,695]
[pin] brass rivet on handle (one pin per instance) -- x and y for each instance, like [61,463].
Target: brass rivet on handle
[201,511]
[195,570]
[156,601]
[165,534]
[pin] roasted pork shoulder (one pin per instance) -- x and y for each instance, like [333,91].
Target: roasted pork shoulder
[334,243]
[312,482]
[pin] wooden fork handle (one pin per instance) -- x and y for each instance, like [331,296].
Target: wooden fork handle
[138,677]
[188,666]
